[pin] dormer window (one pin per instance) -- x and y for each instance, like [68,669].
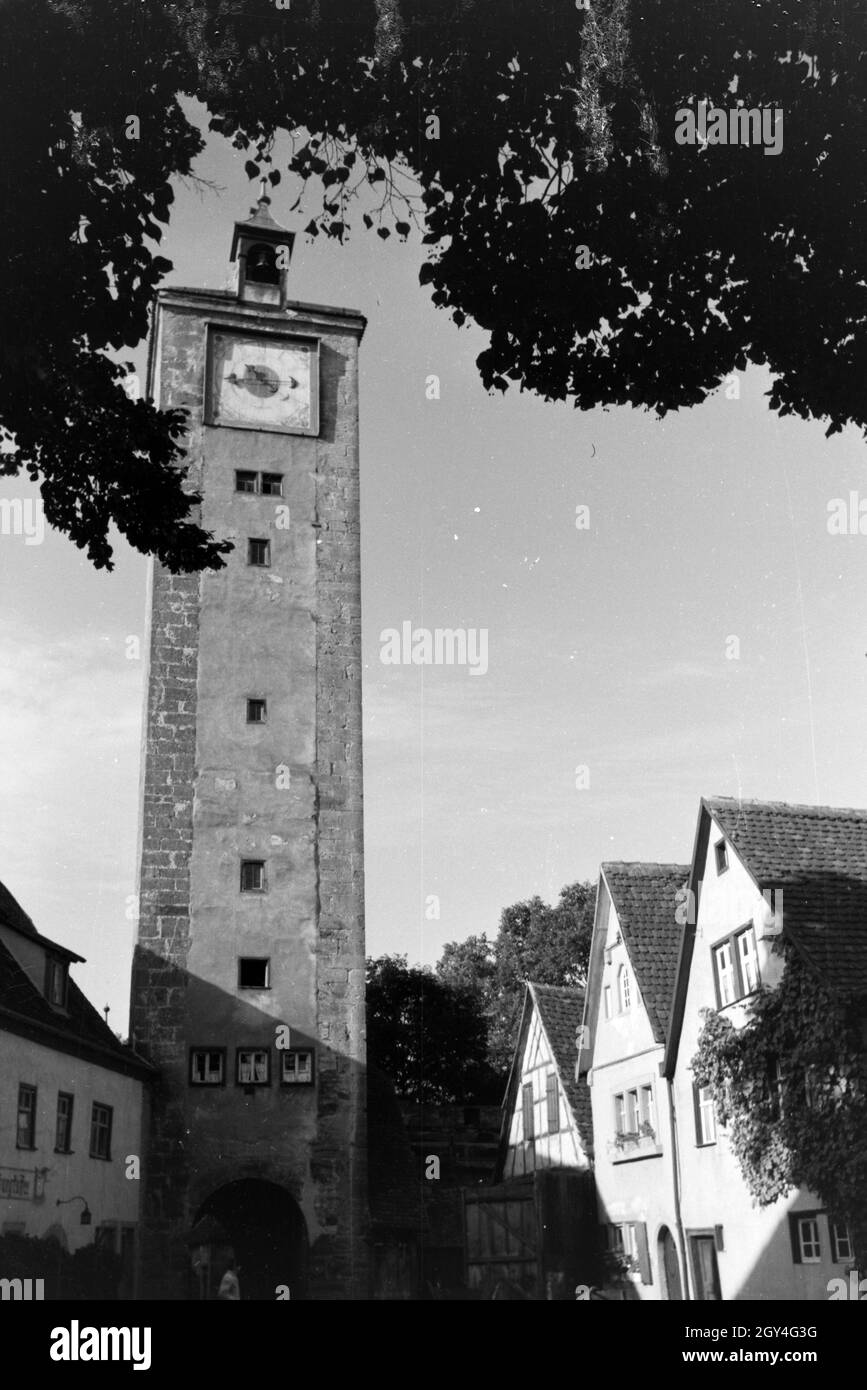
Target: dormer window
[56,980]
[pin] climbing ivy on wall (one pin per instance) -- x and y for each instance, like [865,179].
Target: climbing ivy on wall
[791,1087]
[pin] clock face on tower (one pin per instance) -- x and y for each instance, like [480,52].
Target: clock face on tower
[260,382]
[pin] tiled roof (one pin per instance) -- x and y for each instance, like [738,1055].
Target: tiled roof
[817,855]
[561,1009]
[645,900]
[12,914]
[81,1030]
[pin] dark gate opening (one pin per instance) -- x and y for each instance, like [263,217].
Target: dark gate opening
[265,1228]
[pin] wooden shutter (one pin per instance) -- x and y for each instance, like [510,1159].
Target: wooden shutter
[697,1113]
[640,1230]
[527,1104]
[552,1098]
[793,1236]
[718,1238]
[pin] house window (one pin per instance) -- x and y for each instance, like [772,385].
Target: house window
[632,1112]
[55,982]
[774,1088]
[252,875]
[721,856]
[254,972]
[705,1117]
[646,1111]
[620,1124]
[272,484]
[100,1130]
[841,1241]
[63,1130]
[257,711]
[623,989]
[26,1138]
[258,552]
[207,1066]
[808,1249]
[748,961]
[254,1066]
[629,1240]
[736,967]
[725,975]
[527,1109]
[608,1006]
[552,1102]
[244,481]
[296,1067]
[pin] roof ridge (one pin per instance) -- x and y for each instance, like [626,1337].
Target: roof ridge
[799,806]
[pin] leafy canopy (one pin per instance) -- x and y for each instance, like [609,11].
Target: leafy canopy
[515,133]
[791,1084]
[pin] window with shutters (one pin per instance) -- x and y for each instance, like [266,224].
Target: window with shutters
[736,967]
[552,1101]
[705,1116]
[635,1128]
[527,1109]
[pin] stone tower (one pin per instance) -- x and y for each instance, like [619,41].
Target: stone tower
[248,977]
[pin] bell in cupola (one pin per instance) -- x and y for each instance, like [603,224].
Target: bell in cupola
[263,250]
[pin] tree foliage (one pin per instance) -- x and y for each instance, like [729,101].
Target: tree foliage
[428,1037]
[791,1085]
[549,945]
[513,132]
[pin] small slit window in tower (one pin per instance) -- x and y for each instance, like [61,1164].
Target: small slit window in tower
[254,972]
[257,711]
[252,875]
[258,552]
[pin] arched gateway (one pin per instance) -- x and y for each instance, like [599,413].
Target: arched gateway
[265,1229]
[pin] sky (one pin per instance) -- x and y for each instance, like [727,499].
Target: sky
[702,634]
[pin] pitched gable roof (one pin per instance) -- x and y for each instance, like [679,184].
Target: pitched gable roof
[817,855]
[561,1009]
[79,1030]
[644,898]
